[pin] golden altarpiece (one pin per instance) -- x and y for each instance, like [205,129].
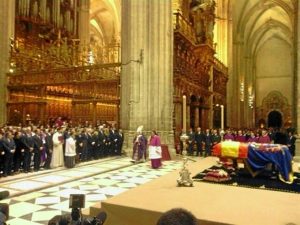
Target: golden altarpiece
[54,75]
[198,74]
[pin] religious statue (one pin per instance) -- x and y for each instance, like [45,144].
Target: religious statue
[203,19]
[185,179]
[202,4]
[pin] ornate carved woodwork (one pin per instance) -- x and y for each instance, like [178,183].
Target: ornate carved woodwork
[52,74]
[202,16]
[220,79]
[196,71]
[46,18]
[274,101]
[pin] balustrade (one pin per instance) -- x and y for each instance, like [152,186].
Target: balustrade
[183,26]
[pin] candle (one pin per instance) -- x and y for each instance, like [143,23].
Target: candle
[184,113]
[222,117]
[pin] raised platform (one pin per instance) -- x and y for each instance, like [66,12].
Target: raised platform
[210,203]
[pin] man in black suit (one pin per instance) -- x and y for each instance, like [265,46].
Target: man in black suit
[48,147]
[215,137]
[79,144]
[291,142]
[91,144]
[2,155]
[84,145]
[191,142]
[199,140]
[19,153]
[9,148]
[101,142]
[207,142]
[37,149]
[113,137]
[29,143]
[120,142]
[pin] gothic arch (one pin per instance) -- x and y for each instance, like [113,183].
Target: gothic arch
[261,7]
[264,39]
[258,22]
[261,32]
[275,119]
[105,20]
[275,101]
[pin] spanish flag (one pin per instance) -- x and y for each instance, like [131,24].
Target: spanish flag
[232,149]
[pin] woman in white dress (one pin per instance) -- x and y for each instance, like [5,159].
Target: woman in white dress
[58,154]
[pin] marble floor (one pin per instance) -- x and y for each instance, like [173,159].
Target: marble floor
[38,197]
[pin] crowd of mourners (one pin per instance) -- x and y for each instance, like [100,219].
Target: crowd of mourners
[32,147]
[201,142]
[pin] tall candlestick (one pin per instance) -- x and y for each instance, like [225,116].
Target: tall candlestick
[222,117]
[184,113]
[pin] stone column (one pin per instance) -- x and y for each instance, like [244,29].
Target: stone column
[84,22]
[229,101]
[211,100]
[203,118]
[297,81]
[147,70]
[7,31]
[205,115]
[196,116]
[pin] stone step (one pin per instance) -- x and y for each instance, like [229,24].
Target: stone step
[94,210]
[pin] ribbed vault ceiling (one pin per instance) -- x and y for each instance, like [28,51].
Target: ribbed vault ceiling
[260,20]
[105,20]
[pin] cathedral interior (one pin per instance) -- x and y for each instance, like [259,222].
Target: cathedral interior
[168,65]
[72,59]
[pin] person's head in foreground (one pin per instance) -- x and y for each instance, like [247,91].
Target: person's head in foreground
[177,216]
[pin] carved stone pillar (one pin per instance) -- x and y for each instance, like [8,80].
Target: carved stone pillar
[84,22]
[147,73]
[200,117]
[229,93]
[7,31]
[178,118]
[196,116]
[211,100]
[205,121]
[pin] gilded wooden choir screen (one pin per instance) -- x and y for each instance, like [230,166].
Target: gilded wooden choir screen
[53,75]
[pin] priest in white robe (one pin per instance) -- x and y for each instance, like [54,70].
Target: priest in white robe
[58,154]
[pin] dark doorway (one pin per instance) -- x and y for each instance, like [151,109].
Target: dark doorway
[274,119]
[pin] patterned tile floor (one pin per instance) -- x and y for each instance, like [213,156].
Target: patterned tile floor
[38,198]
